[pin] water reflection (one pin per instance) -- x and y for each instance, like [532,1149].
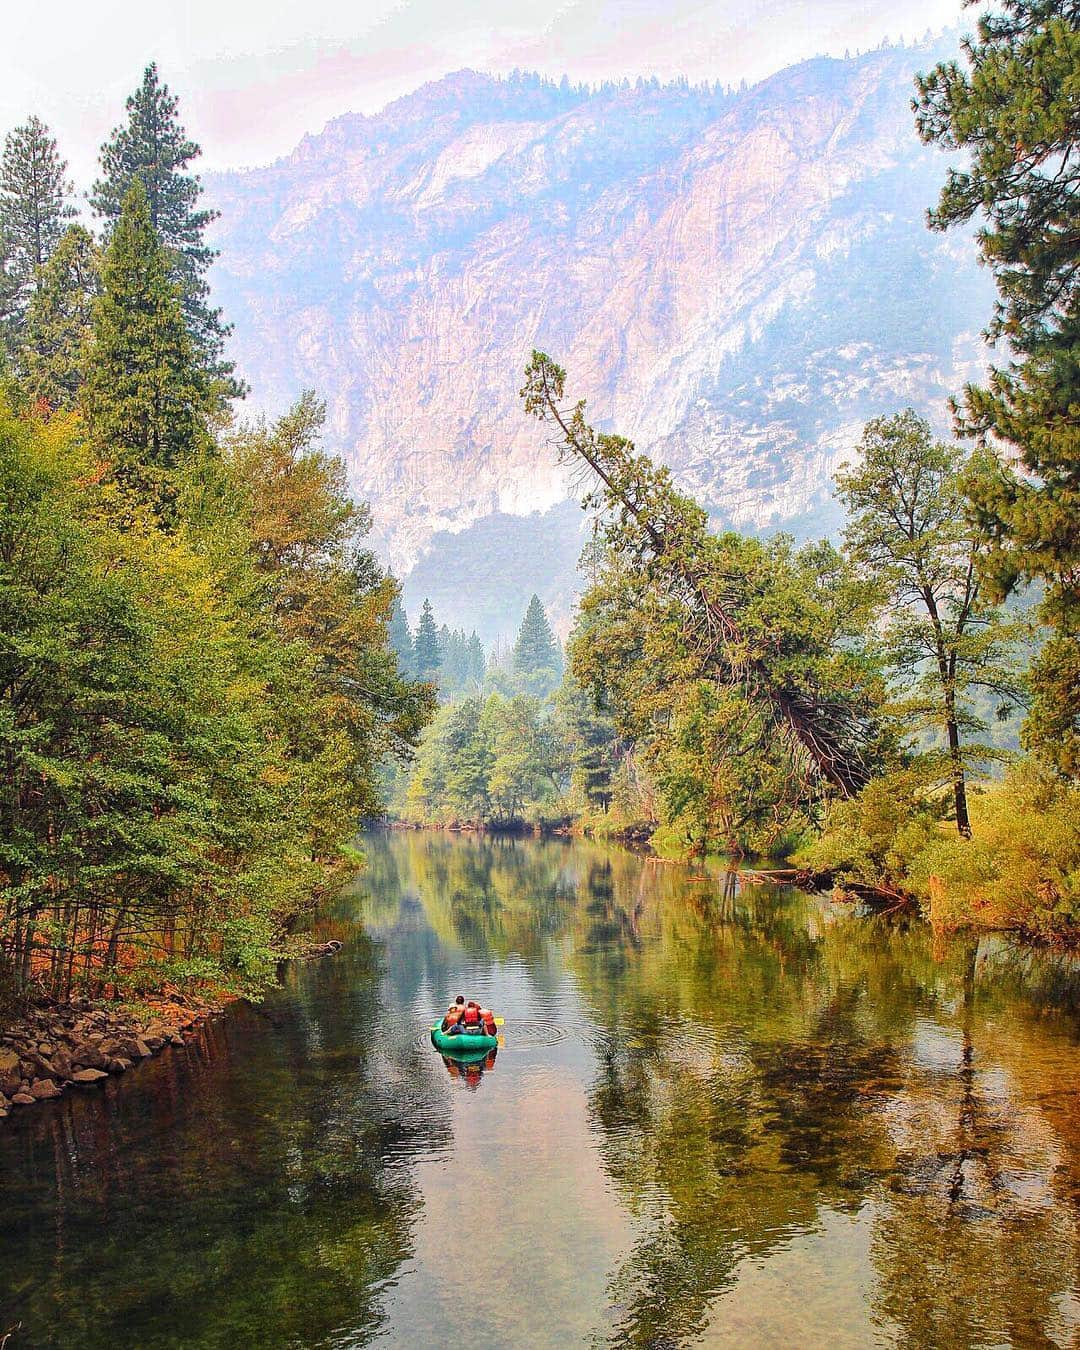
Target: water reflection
[721,1115]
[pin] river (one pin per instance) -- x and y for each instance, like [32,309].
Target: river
[723,1115]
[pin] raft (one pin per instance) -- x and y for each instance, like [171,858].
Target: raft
[467,1043]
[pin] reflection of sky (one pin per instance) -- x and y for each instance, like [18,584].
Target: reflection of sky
[521,1182]
[730,1189]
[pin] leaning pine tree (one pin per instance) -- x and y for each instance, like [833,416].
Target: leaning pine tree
[146,399]
[815,700]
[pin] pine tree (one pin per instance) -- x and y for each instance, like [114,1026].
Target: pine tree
[1014,110]
[145,398]
[401,638]
[52,357]
[475,663]
[34,206]
[426,645]
[154,147]
[536,653]
[9,296]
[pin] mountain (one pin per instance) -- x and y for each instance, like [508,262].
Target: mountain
[737,280]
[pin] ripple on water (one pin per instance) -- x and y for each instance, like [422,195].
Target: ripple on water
[522,1035]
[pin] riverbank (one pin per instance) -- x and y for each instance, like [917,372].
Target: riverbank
[80,1044]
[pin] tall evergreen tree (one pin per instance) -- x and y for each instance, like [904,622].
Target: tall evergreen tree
[145,398]
[34,206]
[475,663]
[401,638]
[9,295]
[154,147]
[1014,109]
[426,645]
[535,649]
[52,356]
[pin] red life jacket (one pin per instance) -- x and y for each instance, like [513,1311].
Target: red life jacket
[472,1017]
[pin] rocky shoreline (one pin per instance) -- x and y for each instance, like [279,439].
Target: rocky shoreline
[80,1044]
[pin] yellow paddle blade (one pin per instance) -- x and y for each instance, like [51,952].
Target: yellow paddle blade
[499,1021]
[502,1042]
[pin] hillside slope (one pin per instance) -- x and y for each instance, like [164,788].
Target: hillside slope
[737,281]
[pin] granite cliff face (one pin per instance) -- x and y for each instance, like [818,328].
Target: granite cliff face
[736,280]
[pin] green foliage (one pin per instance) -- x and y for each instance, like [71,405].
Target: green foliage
[401,637]
[682,604]
[52,356]
[191,719]
[1020,868]
[489,761]
[153,148]
[942,641]
[536,659]
[1013,109]
[426,646]
[34,208]
[146,401]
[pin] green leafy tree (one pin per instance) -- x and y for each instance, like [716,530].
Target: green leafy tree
[52,357]
[1013,107]
[34,205]
[778,632]
[153,147]
[586,732]
[426,645]
[145,398]
[943,641]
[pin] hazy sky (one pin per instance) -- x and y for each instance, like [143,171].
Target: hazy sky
[254,77]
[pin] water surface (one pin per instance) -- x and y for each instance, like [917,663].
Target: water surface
[721,1116]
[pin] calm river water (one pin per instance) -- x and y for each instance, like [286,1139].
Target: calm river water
[722,1116]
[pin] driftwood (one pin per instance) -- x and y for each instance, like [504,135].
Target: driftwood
[808,880]
[318,949]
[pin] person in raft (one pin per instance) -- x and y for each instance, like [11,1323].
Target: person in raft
[463,1019]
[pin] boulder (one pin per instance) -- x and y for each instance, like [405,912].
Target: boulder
[120,1064]
[142,1050]
[9,1071]
[61,1063]
[88,1076]
[87,1054]
[43,1089]
[22,1099]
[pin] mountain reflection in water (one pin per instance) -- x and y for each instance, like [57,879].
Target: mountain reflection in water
[722,1115]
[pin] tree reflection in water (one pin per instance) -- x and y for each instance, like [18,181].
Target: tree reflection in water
[723,1114]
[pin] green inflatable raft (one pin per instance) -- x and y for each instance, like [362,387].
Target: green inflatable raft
[465,1045]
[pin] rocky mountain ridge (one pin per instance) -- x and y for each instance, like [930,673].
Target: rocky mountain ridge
[737,280]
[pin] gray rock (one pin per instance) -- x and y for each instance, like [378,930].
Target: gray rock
[22,1099]
[142,1049]
[88,1076]
[43,1089]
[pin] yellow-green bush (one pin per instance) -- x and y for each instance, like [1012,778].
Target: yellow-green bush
[1020,869]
